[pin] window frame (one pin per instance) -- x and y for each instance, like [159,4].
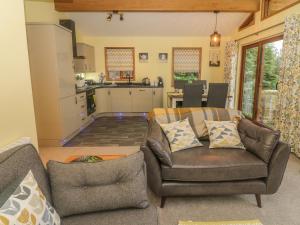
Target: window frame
[265,9]
[189,48]
[258,76]
[106,65]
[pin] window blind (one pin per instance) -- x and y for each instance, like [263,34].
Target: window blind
[187,59]
[120,59]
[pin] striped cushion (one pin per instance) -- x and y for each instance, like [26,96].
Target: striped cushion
[196,116]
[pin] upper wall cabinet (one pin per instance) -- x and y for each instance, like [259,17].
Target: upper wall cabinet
[85,62]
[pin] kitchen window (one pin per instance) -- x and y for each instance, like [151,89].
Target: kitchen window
[186,64]
[259,80]
[119,63]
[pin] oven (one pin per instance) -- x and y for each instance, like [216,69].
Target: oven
[90,101]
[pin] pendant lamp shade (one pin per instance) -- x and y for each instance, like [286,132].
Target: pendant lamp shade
[215,38]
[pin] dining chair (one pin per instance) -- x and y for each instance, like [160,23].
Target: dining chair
[217,95]
[203,82]
[192,95]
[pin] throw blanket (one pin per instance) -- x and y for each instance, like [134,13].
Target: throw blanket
[196,116]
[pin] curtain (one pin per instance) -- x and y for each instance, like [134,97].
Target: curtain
[287,118]
[230,69]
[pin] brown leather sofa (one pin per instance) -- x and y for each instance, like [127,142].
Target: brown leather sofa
[202,171]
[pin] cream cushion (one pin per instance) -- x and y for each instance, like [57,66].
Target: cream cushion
[223,134]
[180,135]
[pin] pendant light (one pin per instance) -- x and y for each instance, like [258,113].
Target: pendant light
[215,38]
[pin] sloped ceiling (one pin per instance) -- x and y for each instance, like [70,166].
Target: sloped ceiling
[157,24]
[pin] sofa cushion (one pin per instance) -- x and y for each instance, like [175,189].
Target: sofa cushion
[259,140]
[17,162]
[146,216]
[196,116]
[204,164]
[93,187]
[158,143]
[180,135]
[28,205]
[223,134]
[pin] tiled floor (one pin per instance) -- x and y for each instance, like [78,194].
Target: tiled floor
[112,131]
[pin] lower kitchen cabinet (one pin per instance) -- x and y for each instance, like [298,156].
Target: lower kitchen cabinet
[114,100]
[103,100]
[82,108]
[70,119]
[121,100]
[157,97]
[141,99]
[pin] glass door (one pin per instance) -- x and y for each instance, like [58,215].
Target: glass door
[248,80]
[270,68]
[259,80]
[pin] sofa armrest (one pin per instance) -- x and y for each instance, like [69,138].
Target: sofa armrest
[277,166]
[154,177]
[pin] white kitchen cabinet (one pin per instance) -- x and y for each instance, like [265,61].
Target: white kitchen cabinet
[87,63]
[69,115]
[64,56]
[157,97]
[103,100]
[80,65]
[53,82]
[121,100]
[81,108]
[141,99]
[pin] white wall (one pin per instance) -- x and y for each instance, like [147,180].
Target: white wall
[16,104]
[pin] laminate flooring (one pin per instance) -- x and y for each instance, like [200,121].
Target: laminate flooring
[112,131]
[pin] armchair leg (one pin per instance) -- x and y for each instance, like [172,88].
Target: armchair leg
[258,200]
[162,202]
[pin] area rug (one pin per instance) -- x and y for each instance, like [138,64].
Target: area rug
[248,222]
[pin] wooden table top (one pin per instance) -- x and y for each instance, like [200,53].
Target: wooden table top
[61,154]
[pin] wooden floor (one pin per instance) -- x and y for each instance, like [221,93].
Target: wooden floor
[112,131]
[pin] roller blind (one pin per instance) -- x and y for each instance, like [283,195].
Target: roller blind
[187,59]
[120,59]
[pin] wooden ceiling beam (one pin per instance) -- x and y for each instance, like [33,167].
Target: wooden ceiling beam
[157,5]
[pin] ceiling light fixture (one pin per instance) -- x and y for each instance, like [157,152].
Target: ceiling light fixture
[121,17]
[110,16]
[215,38]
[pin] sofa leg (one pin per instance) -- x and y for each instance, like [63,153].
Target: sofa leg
[258,200]
[162,202]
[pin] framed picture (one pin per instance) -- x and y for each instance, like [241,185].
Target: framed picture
[143,57]
[163,57]
[214,58]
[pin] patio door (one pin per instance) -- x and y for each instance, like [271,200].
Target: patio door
[259,80]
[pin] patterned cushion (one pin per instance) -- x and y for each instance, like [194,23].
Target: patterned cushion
[223,134]
[28,205]
[196,116]
[180,135]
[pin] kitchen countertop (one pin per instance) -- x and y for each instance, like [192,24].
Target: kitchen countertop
[134,85]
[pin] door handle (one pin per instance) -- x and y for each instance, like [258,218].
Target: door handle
[141,89]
